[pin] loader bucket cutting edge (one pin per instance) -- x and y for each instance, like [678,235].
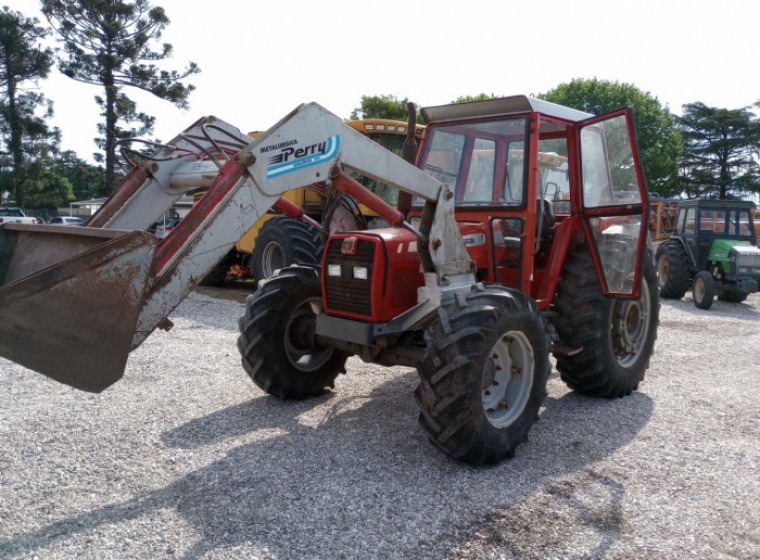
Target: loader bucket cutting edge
[74,320]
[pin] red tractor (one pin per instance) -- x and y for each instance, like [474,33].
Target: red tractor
[552,220]
[526,236]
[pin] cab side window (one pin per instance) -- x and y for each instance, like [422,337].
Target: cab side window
[689,225]
[480,179]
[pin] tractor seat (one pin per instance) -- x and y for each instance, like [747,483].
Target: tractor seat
[547,222]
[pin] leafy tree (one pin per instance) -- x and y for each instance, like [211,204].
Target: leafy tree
[45,187]
[110,43]
[721,147]
[23,61]
[87,181]
[479,97]
[659,138]
[381,107]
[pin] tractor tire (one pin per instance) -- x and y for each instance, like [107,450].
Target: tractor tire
[483,376]
[703,290]
[672,270]
[616,335]
[732,296]
[277,343]
[283,241]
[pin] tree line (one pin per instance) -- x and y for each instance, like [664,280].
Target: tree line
[110,43]
[705,152]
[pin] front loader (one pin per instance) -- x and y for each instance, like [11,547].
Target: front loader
[526,235]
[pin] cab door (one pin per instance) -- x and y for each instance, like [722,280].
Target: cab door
[614,200]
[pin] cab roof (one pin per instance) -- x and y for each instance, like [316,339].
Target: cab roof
[715,203]
[501,106]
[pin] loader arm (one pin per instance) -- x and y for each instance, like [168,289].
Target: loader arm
[307,146]
[147,280]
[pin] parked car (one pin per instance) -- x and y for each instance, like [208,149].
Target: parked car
[16,216]
[66,221]
[162,228]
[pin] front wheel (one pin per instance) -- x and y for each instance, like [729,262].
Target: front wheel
[616,336]
[483,376]
[277,340]
[732,296]
[703,290]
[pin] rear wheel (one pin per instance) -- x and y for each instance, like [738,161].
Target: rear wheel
[283,241]
[483,376]
[703,290]
[616,335]
[672,269]
[277,340]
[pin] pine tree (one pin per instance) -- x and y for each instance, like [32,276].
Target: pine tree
[110,43]
[23,61]
[720,152]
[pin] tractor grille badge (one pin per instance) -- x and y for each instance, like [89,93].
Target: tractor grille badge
[349,246]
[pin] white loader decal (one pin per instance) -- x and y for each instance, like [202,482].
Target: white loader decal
[291,158]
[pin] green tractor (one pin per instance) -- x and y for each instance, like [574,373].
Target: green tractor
[713,250]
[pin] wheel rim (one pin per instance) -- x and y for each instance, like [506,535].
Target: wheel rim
[300,345]
[699,289]
[663,270]
[630,326]
[508,379]
[272,259]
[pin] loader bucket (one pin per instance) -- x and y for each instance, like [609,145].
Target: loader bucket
[70,298]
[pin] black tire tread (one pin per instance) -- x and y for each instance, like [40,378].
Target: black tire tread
[260,343]
[449,394]
[301,243]
[679,273]
[583,320]
[705,278]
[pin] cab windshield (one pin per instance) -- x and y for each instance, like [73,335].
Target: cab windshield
[726,222]
[483,161]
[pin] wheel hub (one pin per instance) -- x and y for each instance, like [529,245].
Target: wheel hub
[301,333]
[630,326]
[300,343]
[273,258]
[508,379]
[699,289]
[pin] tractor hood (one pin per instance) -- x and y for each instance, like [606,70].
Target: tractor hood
[724,249]
[746,258]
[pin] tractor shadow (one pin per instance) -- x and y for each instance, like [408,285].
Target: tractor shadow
[348,476]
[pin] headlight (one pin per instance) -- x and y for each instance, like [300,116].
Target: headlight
[333,270]
[360,272]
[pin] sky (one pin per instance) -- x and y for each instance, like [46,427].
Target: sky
[260,60]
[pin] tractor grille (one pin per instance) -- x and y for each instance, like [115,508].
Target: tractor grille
[346,293]
[748,261]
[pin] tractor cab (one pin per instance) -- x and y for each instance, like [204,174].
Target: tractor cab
[522,167]
[711,227]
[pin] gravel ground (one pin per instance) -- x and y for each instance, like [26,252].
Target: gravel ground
[186,458]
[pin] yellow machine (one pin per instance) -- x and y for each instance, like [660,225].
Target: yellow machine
[276,241]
